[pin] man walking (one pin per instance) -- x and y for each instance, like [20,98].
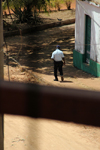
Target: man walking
[59,60]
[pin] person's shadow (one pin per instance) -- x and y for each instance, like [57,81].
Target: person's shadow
[66,81]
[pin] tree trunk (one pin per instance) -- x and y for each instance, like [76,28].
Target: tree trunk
[68,4]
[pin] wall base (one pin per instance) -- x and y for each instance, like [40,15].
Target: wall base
[92,68]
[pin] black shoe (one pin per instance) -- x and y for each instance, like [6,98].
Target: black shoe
[62,79]
[55,79]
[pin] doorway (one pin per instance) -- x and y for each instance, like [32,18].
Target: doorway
[87,38]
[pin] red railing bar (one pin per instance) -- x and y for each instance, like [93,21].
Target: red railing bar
[71,105]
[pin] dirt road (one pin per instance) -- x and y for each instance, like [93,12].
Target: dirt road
[40,134]
[35,55]
[34,52]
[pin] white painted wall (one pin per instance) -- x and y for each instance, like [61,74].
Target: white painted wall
[94,13]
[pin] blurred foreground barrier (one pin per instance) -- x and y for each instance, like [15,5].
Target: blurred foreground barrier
[63,104]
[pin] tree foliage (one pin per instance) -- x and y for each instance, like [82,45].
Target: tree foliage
[57,4]
[24,10]
[68,3]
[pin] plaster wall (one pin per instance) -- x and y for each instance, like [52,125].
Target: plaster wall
[82,9]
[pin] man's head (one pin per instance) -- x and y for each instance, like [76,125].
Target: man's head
[58,46]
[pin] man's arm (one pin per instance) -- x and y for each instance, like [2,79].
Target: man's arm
[52,57]
[63,60]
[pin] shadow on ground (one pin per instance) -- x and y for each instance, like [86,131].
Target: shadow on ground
[34,51]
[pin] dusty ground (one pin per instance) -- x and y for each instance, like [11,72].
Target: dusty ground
[33,52]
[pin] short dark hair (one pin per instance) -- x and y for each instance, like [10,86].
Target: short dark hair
[58,46]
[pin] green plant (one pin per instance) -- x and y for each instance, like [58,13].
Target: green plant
[24,10]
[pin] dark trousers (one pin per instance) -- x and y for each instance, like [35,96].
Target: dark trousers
[58,66]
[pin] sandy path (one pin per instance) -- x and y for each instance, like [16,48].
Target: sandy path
[40,134]
[36,53]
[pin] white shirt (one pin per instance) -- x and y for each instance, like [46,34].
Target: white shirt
[57,55]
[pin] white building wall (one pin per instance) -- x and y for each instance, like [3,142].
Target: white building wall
[83,8]
[79,29]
